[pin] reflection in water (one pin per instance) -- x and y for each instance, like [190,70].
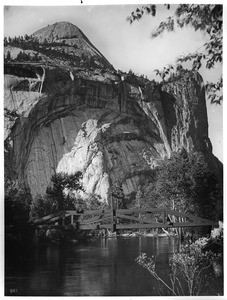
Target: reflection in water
[86,270]
[102,267]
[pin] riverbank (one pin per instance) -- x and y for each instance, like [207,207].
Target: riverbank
[47,234]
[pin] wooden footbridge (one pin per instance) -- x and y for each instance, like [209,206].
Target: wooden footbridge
[114,219]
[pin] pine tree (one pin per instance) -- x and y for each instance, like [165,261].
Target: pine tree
[118,196]
[62,181]
[26,37]
[8,56]
[20,56]
[5,41]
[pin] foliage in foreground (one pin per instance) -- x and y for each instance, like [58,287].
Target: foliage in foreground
[60,196]
[44,205]
[191,271]
[20,207]
[62,182]
[206,18]
[17,202]
[184,183]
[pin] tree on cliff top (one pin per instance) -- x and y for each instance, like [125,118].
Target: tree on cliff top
[207,18]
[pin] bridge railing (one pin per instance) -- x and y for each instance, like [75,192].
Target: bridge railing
[124,219]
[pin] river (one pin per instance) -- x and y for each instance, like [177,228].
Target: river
[103,267]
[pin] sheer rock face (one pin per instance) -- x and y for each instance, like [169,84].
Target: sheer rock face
[188,125]
[66,120]
[106,128]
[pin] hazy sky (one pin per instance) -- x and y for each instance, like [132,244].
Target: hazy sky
[125,46]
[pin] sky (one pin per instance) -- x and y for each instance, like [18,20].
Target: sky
[125,46]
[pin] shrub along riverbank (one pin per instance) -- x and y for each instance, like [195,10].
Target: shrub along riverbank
[196,270]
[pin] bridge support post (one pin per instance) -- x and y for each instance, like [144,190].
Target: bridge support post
[164,217]
[72,219]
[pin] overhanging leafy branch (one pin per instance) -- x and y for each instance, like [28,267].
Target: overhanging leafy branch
[207,18]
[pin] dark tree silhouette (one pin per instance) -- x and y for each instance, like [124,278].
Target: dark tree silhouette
[8,56]
[61,181]
[118,195]
[185,183]
[17,202]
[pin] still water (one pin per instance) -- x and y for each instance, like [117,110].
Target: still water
[104,267]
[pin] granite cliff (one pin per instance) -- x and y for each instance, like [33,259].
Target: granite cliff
[62,116]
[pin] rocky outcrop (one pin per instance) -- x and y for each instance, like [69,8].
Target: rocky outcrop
[61,119]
